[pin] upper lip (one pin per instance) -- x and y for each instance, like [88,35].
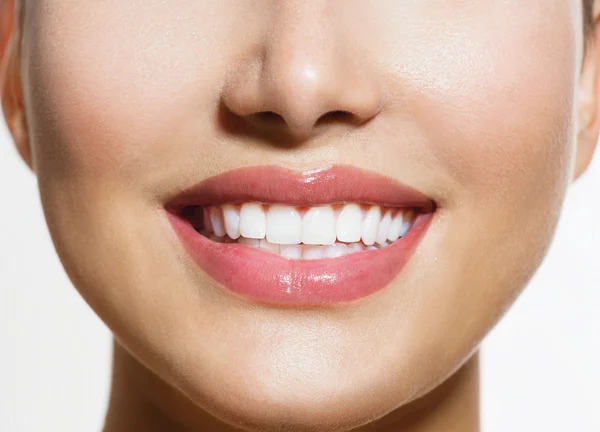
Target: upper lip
[273,184]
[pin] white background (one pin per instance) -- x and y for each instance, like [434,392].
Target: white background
[541,364]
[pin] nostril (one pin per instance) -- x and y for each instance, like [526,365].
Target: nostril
[337,116]
[273,122]
[268,117]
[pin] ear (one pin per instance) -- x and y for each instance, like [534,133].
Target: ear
[588,127]
[10,79]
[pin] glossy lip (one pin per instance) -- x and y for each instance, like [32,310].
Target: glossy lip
[273,184]
[264,277]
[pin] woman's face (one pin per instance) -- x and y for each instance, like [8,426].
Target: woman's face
[472,104]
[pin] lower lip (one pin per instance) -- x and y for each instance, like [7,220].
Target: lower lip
[263,277]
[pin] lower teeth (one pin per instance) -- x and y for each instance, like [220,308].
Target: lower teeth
[300,251]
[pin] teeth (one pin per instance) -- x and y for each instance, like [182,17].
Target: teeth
[231,215]
[384,228]
[206,218]
[407,223]
[313,252]
[250,242]
[253,223]
[271,247]
[318,226]
[370,226]
[284,225]
[349,223]
[216,220]
[298,233]
[291,251]
[395,227]
[336,250]
[355,247]
[308,252]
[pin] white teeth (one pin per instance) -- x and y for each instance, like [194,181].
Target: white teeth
[323,232]
[336,250]
[297,252]
[370,225]
[253,221]
[318,226]
[216,220]
[395,227]
[349,223]
[231,215]
[313,252]
[291,251]
[384,227]
[284,225]
[407,223]
[355,247]
[271,247]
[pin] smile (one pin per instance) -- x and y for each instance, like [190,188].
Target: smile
[282,237]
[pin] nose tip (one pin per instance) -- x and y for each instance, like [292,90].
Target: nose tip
[302,92]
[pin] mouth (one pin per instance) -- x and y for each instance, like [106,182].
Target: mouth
[288,238]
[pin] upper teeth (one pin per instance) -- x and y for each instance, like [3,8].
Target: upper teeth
[322,225]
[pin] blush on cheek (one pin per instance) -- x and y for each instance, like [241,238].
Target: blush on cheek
[96,126]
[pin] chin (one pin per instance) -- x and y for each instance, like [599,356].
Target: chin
[297,403]
[305,385]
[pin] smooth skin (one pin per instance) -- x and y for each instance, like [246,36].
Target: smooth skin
[489,107]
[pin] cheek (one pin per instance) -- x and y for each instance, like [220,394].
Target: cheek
[110,99]
[494,100]
[495,107]
[509,136]
[499,104]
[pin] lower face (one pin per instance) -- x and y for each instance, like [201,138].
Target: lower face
[277,305]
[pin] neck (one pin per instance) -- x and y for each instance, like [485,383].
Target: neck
[140,400]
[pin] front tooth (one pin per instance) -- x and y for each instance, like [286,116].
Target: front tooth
[216,220]
[313,252]
[370,225]
[395,227]
[253,222]
[318,226]
[336,250]
[384,227]
[271,247]
[284,225]
[349,223]
[407,224]
[231,215]
[291,251]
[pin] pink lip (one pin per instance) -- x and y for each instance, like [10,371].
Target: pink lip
[268,278]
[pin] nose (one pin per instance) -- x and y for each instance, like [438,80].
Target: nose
[304,77]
